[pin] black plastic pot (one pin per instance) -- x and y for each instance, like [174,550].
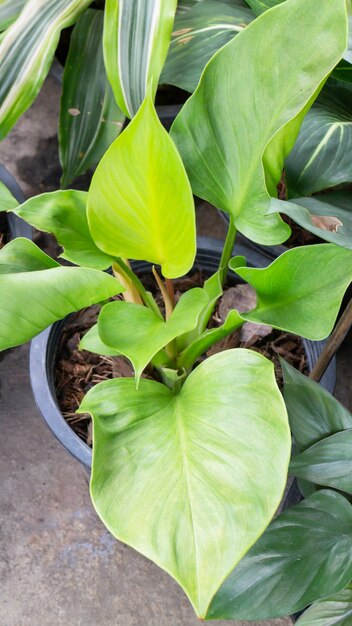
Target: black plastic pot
[9,222]
[44,349]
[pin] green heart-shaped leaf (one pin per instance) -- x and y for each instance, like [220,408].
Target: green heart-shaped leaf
[301,291]
[242,121]
[138,333]
[334,611]
[36,291]
[304,555]
[313,412]
[176,476]
[140,203]
[327,463]
[64,214]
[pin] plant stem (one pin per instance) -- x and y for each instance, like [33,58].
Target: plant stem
[227,250]
[146,297]
[169,306]
[333,343]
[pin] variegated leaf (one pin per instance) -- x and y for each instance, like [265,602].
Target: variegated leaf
[9,12]
[136,41]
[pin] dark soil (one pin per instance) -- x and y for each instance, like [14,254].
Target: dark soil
[78,370]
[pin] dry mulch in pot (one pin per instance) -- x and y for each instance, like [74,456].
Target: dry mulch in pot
[78,370]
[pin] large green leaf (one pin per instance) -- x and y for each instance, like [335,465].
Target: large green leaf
[90,120]
[301,291]
[138,333]
[334,208]
[334,611]
[9,11]
[140,203]
[244,116]
[197,35]
[304,555]
[26,53]
[176,475]
[36,291]
[64,214]
[7,201]
[321,155]
[313,412]
[136,40]
[327,463]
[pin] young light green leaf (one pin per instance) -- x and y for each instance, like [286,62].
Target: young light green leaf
[313,412]
[64,214]
[233,146]
[302,290]
[136,40]
[320,157]
[197,35]
[26,53]
[327,463]
[329,216]
[138,333]
[91,341]
[90,120]
[304,555]
[333,611]
[36,291]
[182,463]
[9,12]
[7,200]
[140,203]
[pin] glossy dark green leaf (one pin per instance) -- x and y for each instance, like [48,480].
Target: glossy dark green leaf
[313,412]
[176,475]
[327,463]
[233,146]
[9,12]
[27,50]
[329,216]
[333,611]
[304,555]
[64,214]
[140,203]
[36,291]
[197,35]
[301,291]
[136,41]
[138,333]
[321,155]
[90,120]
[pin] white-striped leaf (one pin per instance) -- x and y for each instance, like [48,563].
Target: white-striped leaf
[321,157]
[136,41]
[26,51]
[333,611]
[90,120]
[197,35]
[9,12]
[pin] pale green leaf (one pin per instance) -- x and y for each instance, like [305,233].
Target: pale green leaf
[26,52]
[197,35]
[91,341]
[89,118]
[333,611]
[327,463]
[7,200]
[321,155]
[304,555]
[9,12]
[63,213]
[138,333]
[136,40]
[301,291]
[140,203]
[313,412]
[241,122]
[334,208]
[36,291]
[176,476]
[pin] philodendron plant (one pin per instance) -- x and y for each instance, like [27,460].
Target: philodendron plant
[189,468]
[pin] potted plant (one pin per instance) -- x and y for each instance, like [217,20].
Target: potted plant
[176,456]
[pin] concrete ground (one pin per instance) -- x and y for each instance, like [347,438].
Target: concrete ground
[58,564]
